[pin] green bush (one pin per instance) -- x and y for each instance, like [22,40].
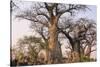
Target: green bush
[86,59]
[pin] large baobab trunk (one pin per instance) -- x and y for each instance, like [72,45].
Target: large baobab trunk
[52,41]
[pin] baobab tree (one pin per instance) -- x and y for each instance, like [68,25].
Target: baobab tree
[86,37]
[47,15]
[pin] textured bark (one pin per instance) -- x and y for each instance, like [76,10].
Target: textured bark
[75,43]
[88,51]
[52,41]
[58,53]
[76,51]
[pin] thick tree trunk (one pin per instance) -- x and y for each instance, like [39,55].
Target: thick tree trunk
[76,45]
[52,41]
[76,51]
[75,55]
[58,53]
[88,51]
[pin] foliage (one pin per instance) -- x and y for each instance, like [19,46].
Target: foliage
[32,53]
[86,59]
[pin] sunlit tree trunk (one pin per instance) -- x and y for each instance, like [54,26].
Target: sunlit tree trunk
[52,41]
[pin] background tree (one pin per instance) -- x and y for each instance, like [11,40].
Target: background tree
[29,46]
[86,37]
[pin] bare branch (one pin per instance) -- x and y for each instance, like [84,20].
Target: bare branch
[71,8]
[90,52]
[93,50]
[43,36]
[67,35]
[44,15]
[33,20]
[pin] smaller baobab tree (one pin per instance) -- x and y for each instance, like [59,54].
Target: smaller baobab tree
[88,37]
[81,35]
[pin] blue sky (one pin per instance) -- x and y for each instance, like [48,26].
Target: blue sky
[90,13]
